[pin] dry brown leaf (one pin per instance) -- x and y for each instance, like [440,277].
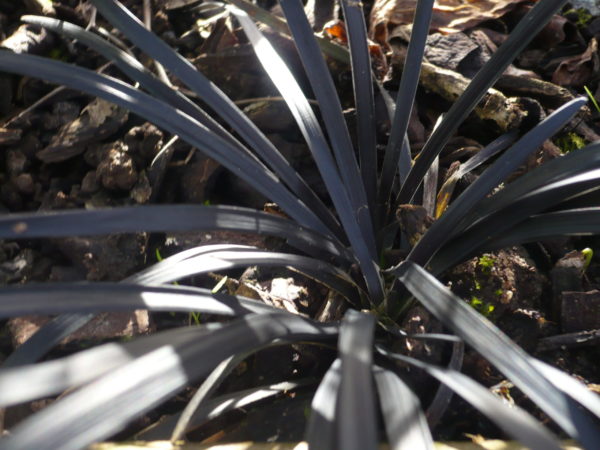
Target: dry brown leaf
[449,16]
[578,70]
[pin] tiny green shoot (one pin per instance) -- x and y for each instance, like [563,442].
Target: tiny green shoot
[482,307]
[486,262]
[583,16]
[570,141]
[588,254]
[591,96]
[219,285]
[195,316]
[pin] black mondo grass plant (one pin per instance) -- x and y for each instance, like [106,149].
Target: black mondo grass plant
[341,247]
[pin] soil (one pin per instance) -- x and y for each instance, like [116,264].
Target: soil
[62,149]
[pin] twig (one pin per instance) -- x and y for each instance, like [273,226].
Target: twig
[579,339]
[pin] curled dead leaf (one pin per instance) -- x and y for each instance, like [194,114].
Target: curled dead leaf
[449,16]
[578,70]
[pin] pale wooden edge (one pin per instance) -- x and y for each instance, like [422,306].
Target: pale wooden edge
[490,444]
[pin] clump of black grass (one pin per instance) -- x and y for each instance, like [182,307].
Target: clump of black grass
[115,383]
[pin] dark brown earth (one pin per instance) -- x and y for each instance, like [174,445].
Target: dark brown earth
[62,149]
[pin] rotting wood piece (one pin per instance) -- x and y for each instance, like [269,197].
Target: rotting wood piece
[10,136]
[560,341]
[505,112]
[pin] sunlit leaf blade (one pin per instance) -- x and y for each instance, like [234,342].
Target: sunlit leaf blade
[207,387]
[575,222]
[127,23]
[394,152]
[490,342]
[489,151]
[321,430]
[276,23]
[362,80]
[447,226]
[218,406]
[149,218]
[570,386]
[53,332]
[168,118]
[242,399]
[46,378]
[513,420]
[362,243]
[550,172]
[517,40]
[162,218]
[329,104]
[443,396]
[405,422]
[430,187]
[560,183]
[405,160]
[588,199]
[30,382]
[498,225]
[107,404]
[355,409]
[56,298]
[211,258]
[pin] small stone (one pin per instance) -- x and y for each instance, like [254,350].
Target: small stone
[117,171]
[16,162]
[145,140]
[96,153]
[142,190]
[24,183]
[89,184]
[580,311]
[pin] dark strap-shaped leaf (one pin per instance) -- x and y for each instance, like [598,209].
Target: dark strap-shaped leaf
[513,420]
[210,258]
[129,25]
[495,346]
[405,100]
[329,104]
[447,225]
[207,387]
[489,151]
[104,406]
[355,409]
[550,172]
[443,395]
[136,71]
[362,81]
[46,337]
[169,118]
[165,218]
[517,40]
[575,222]
[570,385]
[360,240]
[57,298]
[44,379]
[219,406]
[498,225]
[405,422]
[321,430]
